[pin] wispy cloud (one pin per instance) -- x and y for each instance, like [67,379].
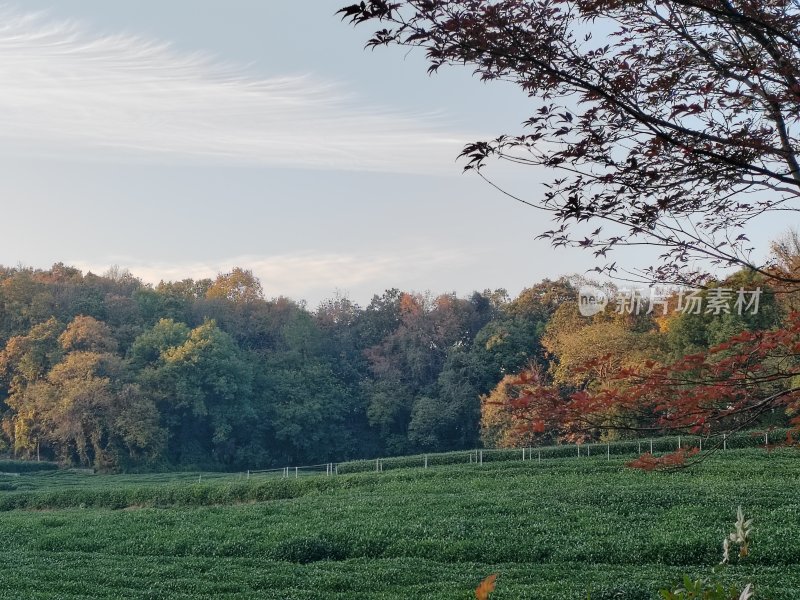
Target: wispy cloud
[67,89]
[307,276]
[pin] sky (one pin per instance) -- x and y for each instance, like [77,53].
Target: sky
[184,138]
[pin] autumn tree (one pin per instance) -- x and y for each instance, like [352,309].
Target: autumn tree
[500,422]
[25,363]
[578,353]
[785,252]
[92,416]
[25,301]
[157,381]
[240,285]
[86,334]
[749,380]
[673,123]
[70,397]
[403,395]
[509,339]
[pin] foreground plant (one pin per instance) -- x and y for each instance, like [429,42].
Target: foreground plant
[690,589]
[740,537]
[703,589]
[486,587]
[711,589]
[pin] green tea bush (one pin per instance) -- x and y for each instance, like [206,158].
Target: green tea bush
[561,530]
[26,466]
[305,550]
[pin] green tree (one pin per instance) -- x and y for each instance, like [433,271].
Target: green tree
[24,302]
[689,332]
[149,347]
[203,389]
[308,411]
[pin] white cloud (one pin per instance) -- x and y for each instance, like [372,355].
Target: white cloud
[304,276]
[67,90]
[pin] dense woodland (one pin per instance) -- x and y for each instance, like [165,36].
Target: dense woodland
[109,372]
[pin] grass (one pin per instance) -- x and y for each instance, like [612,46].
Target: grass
[555,530]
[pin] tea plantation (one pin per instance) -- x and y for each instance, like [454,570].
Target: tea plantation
[562,529]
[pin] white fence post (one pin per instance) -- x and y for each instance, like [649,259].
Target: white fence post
[651,446]
[679,442]
[724,441]
[608,451]
[426,461]
[295,472]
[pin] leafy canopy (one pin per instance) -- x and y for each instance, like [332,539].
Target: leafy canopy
[672,123]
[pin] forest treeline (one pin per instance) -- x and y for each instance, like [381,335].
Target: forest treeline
[109,372]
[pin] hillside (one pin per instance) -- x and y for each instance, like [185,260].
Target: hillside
[560,530]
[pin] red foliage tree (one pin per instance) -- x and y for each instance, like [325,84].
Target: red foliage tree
[731,387]
[673,122]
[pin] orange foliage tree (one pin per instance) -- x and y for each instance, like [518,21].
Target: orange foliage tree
[500,412]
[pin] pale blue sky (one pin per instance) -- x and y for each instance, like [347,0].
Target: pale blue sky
[186,137]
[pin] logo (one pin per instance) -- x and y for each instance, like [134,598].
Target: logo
[591,301]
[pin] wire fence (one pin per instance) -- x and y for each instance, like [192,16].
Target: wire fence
[607,450]
[296,472]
